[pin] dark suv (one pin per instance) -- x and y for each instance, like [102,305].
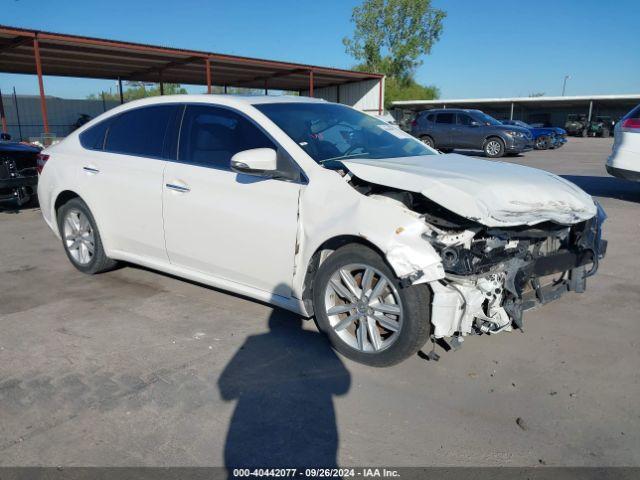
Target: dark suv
[450,128]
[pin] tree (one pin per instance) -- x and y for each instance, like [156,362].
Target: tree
[391,36]
[136,90]
[407,90]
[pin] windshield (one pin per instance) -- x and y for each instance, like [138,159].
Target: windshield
[486,119]
[330,132]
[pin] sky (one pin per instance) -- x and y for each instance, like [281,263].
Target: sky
[489,48]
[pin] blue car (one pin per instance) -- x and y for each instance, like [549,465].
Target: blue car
[543,137]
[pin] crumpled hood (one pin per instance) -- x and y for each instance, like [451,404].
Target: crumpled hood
[495,194]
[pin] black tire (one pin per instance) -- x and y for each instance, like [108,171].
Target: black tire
[542,143]
[99,261]
[427,140]
[415,301]
[584,133]
[489,149]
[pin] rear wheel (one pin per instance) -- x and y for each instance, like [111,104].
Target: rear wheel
[427,140]
[367,316]
[81,239]
[494,147]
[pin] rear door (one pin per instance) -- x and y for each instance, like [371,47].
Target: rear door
[443,129]
[121,177]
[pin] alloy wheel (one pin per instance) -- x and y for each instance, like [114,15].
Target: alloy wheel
[493,148]
[363,307]
[79,237]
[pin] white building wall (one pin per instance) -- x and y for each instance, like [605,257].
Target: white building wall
[363,95]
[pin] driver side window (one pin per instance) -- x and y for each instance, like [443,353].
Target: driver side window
[464,119]
[210,136]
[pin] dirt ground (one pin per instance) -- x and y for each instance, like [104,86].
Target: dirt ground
[134,367]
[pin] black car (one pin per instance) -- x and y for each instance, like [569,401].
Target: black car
[18,171]
[450,128]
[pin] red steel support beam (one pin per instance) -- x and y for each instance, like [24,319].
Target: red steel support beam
[380,97]
[311,83]
[207,63]
[43,101]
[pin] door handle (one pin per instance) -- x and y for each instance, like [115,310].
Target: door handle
[177,188]
[91,170]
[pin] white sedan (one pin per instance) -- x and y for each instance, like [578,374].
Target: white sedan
[624,161]
[323,210]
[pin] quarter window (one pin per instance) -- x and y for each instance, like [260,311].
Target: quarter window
[93,137]
[210,136]
[142,131]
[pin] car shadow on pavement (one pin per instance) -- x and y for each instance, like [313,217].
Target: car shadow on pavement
[283,382]
[609,187]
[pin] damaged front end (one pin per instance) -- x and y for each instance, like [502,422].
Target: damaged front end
[18,172]
[493,275]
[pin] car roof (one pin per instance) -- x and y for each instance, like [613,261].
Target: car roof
[450,110]
[226,99]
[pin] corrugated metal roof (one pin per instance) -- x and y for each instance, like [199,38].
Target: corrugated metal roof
[88,57]
[538,100]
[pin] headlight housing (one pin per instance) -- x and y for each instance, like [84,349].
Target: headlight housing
[513,133]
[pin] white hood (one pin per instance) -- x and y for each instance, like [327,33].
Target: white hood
[495,194]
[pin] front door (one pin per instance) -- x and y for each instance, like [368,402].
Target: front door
[229,225]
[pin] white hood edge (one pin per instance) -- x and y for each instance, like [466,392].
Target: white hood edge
[495,194]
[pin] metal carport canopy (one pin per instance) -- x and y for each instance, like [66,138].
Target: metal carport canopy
[569,101]
[45,53]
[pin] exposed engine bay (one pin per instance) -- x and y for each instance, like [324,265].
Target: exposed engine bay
[493,274]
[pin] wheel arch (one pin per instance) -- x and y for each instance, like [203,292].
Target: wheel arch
[322,253]
[493,135]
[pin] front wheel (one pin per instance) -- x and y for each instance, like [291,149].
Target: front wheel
[494,147]
[368,317]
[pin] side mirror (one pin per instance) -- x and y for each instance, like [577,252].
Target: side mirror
[260,162]
[475,124]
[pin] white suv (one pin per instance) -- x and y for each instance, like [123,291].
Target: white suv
[624,161]
[323,210]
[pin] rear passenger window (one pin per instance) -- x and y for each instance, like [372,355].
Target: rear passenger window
[93,138]
[210,136]
[446,118]
[142,131]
